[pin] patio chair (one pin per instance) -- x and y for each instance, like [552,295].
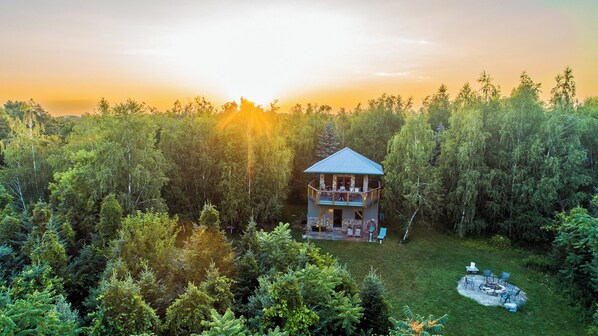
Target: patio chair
[381,235]
[506,297]
[358,232]
[350,232]
[514,295]
[488,275]
[504,277]
[469,281]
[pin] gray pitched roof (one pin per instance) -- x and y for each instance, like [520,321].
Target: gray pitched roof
[346,161]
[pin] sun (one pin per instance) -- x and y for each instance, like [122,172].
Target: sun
[263,56]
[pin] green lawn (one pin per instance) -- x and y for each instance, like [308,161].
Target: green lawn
[424,273]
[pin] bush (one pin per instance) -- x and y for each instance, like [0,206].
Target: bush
[575,256]
[500,242]
[593,327]
[538,262]
[417,325]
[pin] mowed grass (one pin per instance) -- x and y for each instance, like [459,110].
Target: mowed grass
[423,274]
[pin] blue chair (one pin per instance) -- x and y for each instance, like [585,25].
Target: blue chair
[504,277]
[469,281]
[514,295]
[488,275]
[382,235]
[506,297]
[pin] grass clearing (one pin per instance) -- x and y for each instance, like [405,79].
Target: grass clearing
[424,273]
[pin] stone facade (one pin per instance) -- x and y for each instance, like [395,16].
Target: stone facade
[352,223]
[313,222]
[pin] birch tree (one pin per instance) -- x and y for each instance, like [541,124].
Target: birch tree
[412,183]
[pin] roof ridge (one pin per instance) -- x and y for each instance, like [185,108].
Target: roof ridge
[373,167]
[367,161]
[328,157]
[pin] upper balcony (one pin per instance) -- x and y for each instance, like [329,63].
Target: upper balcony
[352,197]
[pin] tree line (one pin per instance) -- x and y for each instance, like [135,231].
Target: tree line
[122,203]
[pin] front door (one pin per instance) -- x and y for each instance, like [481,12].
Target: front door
[337,220]
[343,181]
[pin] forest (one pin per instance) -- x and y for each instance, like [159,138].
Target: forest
[135,221]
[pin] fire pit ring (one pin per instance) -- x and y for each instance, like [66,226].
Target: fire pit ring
[493,288]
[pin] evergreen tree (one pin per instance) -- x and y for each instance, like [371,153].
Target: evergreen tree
[187,314]
[51,252]
[246,280]
[218,288]
[328,143]
[122,310]
[376,309]
[225,325]
[438,108]
[37,313]
[209,217]
[249,239]
[153,291]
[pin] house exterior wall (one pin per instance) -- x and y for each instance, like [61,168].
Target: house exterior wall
[348,217]
[312,209]
[371,213]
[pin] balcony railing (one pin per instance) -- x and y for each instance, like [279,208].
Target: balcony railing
[343,198]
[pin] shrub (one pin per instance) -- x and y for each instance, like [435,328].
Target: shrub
[576,256]
[418,325]
[500,242]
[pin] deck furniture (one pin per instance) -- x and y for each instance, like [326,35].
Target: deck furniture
[488,275]
[510,296]
[469,281]
[504,277]
[381,235]
[471,269]
[358,232]
[350,232]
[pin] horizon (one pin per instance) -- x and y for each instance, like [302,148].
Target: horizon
[331,53]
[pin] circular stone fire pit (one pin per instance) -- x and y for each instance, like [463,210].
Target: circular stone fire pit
[493,288]
[491,296]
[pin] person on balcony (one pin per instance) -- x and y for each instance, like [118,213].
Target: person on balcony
[342,188]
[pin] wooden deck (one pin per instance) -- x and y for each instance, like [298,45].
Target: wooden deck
[343,198]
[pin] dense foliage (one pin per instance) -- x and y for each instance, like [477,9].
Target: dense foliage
[135,203]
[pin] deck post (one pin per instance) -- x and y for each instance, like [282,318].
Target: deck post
[365,182]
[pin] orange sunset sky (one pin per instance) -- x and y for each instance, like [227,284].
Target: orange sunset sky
[66,55]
